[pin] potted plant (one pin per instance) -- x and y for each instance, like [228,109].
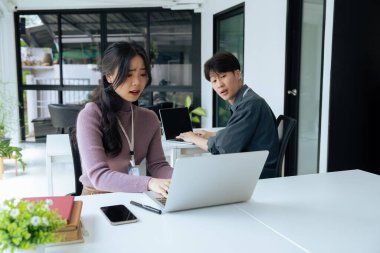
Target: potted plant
[2,123]
[195,112]
[11,152]
[4,113]
[6,150]
[26,226]
[2,130]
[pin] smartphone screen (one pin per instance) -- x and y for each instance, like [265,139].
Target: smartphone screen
[118,214]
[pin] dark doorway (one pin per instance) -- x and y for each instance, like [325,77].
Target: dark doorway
[355,87]
[303,83]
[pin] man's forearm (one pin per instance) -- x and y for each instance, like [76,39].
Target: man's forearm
[201,143]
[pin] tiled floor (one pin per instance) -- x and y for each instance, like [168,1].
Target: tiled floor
[33,182]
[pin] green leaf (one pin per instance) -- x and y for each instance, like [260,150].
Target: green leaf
[188,102]
[195,119]
[199,111]
[8,151]
[20,233]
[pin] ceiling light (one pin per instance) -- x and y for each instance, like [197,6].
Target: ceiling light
[184,7]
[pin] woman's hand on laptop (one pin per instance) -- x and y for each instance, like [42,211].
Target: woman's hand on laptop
[159,185]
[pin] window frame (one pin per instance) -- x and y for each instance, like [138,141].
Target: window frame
[221,16]
[195,57]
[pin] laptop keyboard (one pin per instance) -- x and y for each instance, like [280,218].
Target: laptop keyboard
[175,139]
[162,200]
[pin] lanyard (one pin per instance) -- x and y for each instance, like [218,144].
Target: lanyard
[131,144]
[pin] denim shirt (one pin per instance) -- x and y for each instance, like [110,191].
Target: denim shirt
[251,127]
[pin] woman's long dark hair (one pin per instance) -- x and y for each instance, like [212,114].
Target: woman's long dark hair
[117,57]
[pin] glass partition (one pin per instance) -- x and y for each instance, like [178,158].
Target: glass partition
[80,49]
[170,48]
[60,52]
[229,37]
[38,44]
[131,26]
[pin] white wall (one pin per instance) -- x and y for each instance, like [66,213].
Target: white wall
[264,49]
[8,72]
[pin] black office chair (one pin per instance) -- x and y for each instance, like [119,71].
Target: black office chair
[76,160]
[166,104]
[156,108]
[285,128]
[64,116]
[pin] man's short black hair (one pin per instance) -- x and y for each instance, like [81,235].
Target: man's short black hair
[221,62]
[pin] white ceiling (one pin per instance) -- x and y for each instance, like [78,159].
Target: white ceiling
[13,5]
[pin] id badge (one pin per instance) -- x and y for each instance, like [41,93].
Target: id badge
[133,171]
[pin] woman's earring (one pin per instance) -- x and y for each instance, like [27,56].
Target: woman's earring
[109,79]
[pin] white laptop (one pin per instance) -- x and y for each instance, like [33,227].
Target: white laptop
[175,121]
[202,181]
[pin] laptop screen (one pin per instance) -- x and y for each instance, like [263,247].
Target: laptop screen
[175,121]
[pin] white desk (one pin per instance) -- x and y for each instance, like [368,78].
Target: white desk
[177,149]
[223,229]
[334,212]
[330,212]
[58,150]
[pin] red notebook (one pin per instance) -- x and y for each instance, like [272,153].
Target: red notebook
[63,204]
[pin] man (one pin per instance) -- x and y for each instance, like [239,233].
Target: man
[252,125]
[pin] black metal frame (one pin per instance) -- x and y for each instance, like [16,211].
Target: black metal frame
[292,76]
[195,56]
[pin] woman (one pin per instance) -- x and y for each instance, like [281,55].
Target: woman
[115,136]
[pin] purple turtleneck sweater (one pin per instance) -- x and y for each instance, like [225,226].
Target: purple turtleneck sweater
[107,173]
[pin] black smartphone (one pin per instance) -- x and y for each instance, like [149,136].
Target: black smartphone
[118,214]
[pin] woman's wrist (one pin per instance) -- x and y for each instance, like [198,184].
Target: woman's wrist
[149,188]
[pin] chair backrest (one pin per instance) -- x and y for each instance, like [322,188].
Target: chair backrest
[154,108]
[159,106]
[76,160]
[64,116]
[285,128]
[166,104]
